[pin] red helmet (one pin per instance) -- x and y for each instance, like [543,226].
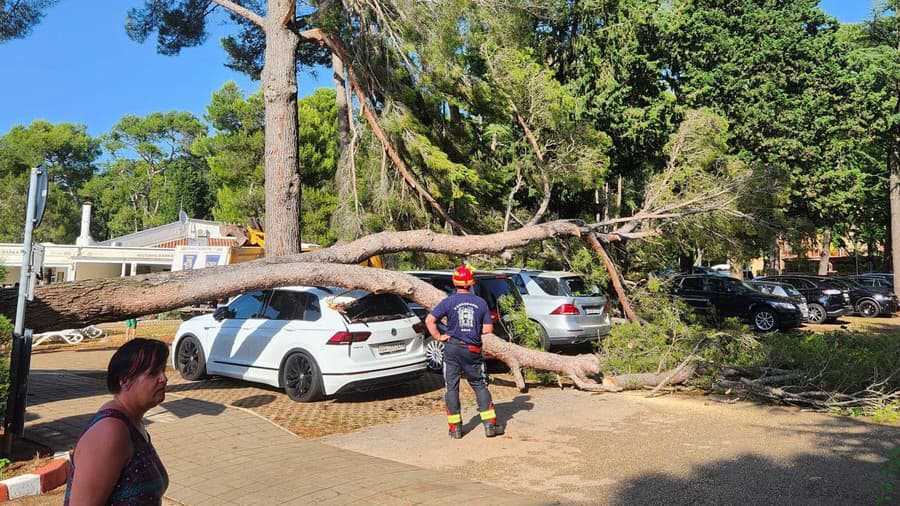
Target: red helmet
[462,277]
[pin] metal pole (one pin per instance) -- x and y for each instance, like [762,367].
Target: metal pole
[18,333]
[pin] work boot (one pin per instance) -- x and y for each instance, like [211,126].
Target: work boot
[456,431]
[491,429]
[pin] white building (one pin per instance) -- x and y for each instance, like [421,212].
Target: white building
[144,252]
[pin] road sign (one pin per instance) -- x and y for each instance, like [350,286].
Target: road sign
[40,201]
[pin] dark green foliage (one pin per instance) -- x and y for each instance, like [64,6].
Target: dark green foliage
[150,176]
[69,154]
[18,17]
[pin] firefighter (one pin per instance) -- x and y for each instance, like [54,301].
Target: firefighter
[468,318]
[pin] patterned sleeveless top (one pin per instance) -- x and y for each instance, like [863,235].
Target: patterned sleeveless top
[143,480]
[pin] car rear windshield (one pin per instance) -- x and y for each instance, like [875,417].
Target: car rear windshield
[576,286]
[572,286]
[372,307]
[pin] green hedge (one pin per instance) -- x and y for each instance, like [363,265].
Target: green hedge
[6,332]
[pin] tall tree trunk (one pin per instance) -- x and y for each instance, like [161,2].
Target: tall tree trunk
[279,78]
[343,110]
[773,266]
[894,168]
[825,252]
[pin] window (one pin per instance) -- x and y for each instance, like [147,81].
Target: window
[695,284]
[765,288]
[520,284]
[548,285]
[720,285]
[291,305]
[576,287]
[247,306]
[375,307]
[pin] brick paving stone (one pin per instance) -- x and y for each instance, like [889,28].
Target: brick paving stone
[223,444]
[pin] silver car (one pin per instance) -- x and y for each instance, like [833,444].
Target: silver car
[568,310]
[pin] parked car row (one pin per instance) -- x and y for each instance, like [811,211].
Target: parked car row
[783,301]
[319,341]
[724,297]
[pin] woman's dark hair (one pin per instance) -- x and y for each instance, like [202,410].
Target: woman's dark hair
[134,358]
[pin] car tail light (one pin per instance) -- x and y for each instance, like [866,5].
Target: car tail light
[495,316]
[566,309]
[831,291]
[419,328]
[606,307]
[345,337]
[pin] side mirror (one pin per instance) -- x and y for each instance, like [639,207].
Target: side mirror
[220,313]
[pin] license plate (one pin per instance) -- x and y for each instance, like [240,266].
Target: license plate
[592,310]
[387,348]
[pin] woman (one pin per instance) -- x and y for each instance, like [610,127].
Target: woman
[114,461]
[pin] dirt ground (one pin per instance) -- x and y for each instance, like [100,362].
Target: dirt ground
[574,447]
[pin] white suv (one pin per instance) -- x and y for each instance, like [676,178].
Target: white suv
[311,341]
[568,310]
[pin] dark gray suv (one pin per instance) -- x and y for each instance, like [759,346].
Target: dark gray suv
[490,286]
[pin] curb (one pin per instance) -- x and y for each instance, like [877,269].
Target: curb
[43,480]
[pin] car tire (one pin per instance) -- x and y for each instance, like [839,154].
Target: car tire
[868,308]
[189,359]
[301,378]
[817,314]
[543,337]
[434,355]
[765,320]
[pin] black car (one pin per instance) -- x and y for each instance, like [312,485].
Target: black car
[729,297]
[490,286]
[874,280]
[869,301]
[825,299]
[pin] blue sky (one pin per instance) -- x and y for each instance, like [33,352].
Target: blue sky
[79,66]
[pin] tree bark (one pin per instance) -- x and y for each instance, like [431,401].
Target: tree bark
[894,182]
[279,78]
[343,110]
[825,252]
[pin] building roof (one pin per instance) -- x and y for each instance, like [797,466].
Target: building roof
[169,235]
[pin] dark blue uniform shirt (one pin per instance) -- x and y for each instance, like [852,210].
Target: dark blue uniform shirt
[465,313]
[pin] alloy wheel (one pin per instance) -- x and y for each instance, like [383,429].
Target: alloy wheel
[868,308]
[817,314]
[434,355]
[764,320]
[188,357]
[298,375]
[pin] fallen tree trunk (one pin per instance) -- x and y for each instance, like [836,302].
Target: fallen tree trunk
[81,303]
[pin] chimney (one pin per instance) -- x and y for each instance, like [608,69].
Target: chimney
[85,238]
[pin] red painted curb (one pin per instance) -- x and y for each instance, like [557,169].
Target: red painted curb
[53,474]
[4,493]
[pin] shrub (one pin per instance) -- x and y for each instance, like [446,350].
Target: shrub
[839,361]
[672,333]
[6,332]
